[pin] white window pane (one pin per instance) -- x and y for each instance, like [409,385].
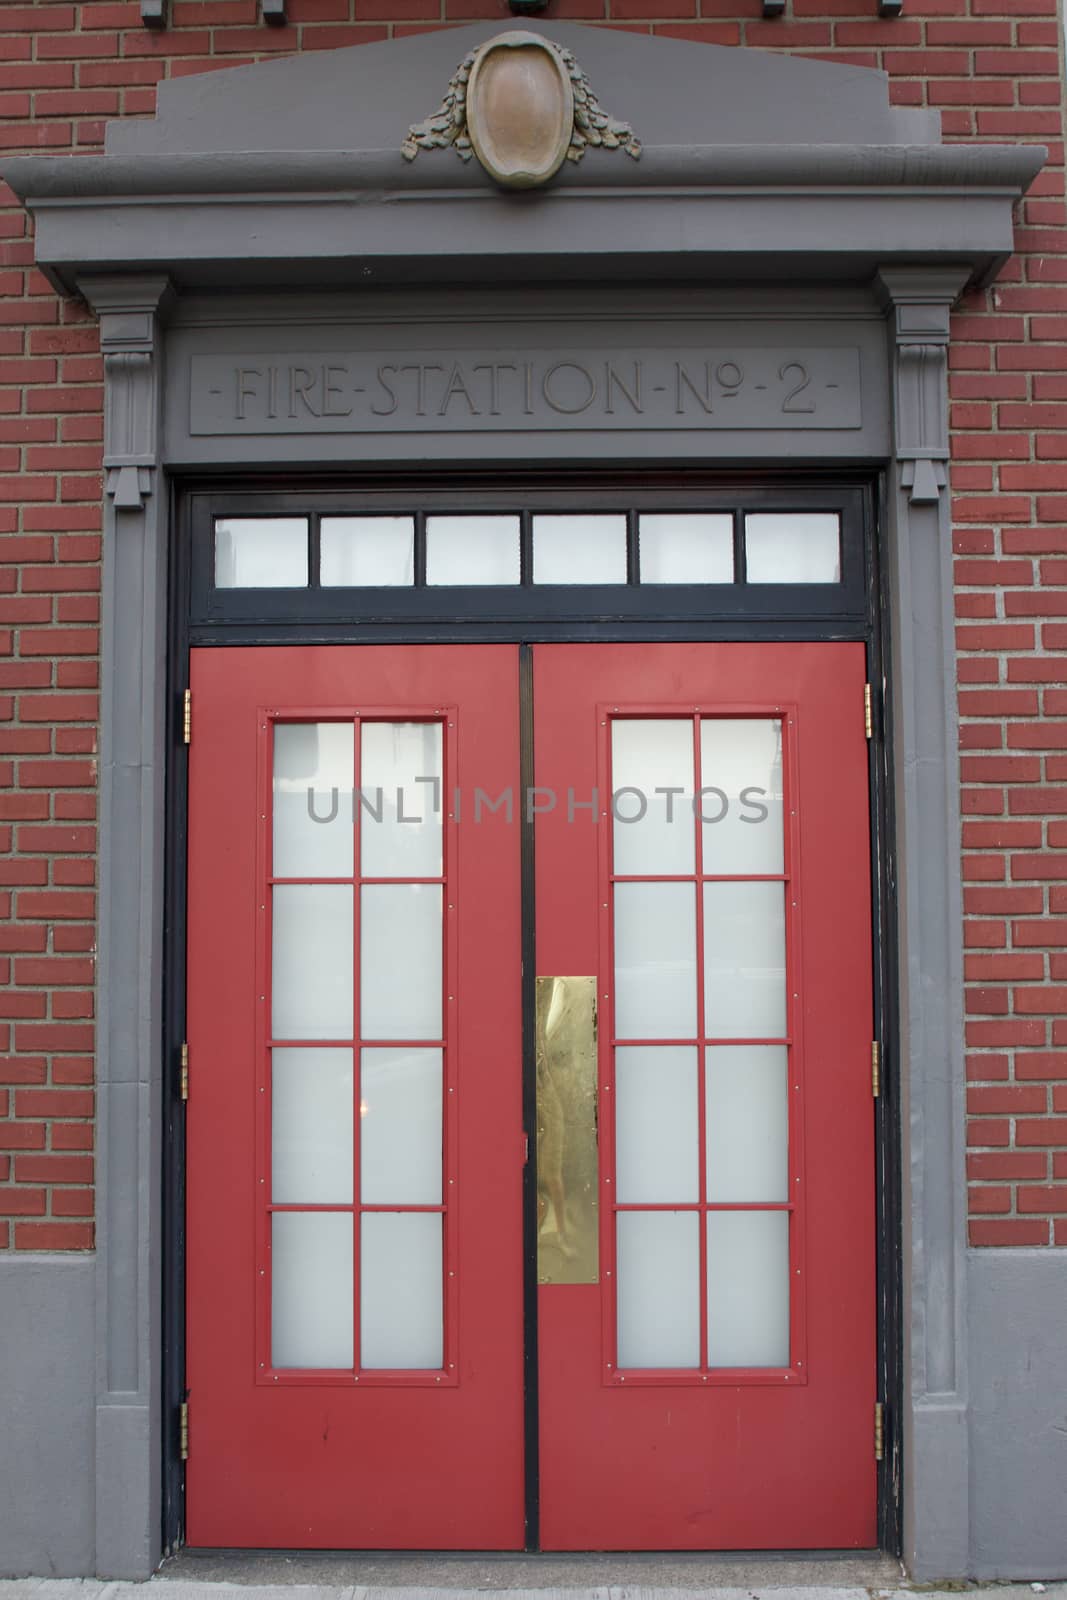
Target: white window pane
[748,1289]
[370,552]
[400,1127]
[261,552]
[741,803]
[312,976]
[313,778]
[401,1301]
[579,549]
[653,830]
[400,961]
[400,785]
[747,1122]
[472,550]
[658,1289]
[311,1126]
[656,1123]
[793,547]
[744,960]
[655,961]
[311,1289]
[686,547]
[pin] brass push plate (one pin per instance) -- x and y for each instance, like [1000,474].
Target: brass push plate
[567,1167]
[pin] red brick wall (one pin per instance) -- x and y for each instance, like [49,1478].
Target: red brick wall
[993,68]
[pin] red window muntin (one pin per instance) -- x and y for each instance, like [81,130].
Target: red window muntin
[610,1207]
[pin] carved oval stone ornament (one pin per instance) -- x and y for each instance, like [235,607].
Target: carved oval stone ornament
[520,110]
[523,106]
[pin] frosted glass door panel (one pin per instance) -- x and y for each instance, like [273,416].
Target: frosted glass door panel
[311,1126]
[658,1290]
[400,961]
[472,550]
[579,549]
[744,960]
[401,1308]
[748,1288]
[686,547]
[793,547]
[655,961]
[311,1289]
[261,552]
[371,552]
[312,977]
[747,1111]
[741,806]
[400,1127]
[313,780]
[656,1123]
[653,831]
[400,811]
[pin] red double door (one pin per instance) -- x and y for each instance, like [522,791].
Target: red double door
[355,1132]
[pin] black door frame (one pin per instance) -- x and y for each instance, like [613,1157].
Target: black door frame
[652,613]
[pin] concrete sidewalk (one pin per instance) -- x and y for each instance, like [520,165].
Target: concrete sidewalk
[164,1587]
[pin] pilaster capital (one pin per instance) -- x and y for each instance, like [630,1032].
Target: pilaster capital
[130,309]
[919,303]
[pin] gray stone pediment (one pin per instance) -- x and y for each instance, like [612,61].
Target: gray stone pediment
[755,166]
[672,93]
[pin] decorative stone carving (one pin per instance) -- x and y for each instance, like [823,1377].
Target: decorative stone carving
[129,309]
[920,301]
[523,106]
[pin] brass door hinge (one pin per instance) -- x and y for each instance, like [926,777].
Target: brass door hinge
[187,717]
[868,715]
[879,1431]
[183,1075]
[876,1069]
[183,1430]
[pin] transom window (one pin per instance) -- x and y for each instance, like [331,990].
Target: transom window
[377,557]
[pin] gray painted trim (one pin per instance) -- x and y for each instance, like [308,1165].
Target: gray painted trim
[1003,169]
[129,984]
[935,1424]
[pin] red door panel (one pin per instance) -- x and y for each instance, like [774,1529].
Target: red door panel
[699,1455]
[339,1456]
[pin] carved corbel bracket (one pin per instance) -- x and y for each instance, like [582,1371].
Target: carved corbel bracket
[129,311]
[920,302]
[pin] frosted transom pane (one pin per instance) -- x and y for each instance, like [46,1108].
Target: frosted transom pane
[400,1127]
[686,547]
[652,795]
[741,802]
[793,547]
[312,969]
[747,1122]
[261,552]
[400,804]
[655,961]
[313,779]
[472,550]
[311,1289]
[367,552]
[311,1126]
[656,1123]
[579,549]
[744,960]
[401,1302]
[400,961]
[658,1288]
[748,1288]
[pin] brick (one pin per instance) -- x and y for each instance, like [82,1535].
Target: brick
[992,1231]
[1006,1165]
[1041,1131]
[54,1236]
[1006,1099]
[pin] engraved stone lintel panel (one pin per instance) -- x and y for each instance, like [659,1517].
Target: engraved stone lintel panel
[920,302]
